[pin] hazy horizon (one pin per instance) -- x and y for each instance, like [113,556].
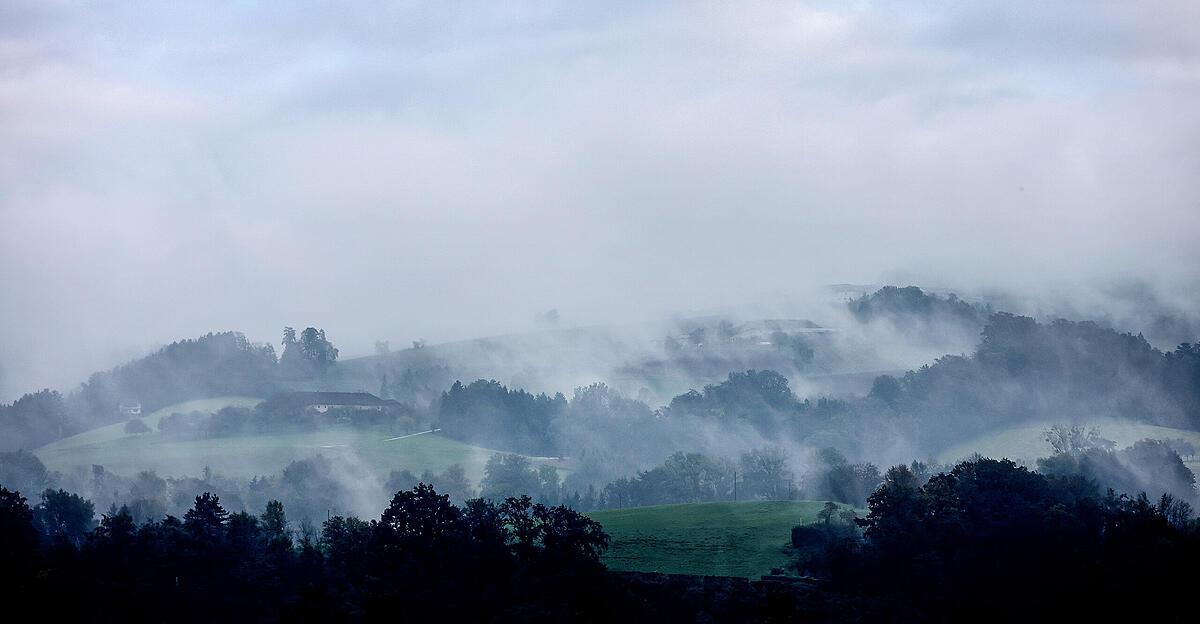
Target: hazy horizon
[401,172]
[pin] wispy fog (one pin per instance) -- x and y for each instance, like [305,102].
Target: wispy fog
[390,171]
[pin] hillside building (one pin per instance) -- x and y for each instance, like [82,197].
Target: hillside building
[324,401]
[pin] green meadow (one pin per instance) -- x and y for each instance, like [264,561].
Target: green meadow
[722,539]
[249,455]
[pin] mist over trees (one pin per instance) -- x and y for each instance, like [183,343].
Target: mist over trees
[212,365]
[35,419]
[216,364]
[1020,371]
[307,356]
[23,471]
[487,413]
[1151,466]
[748,435]
[913,309]
[1023,370]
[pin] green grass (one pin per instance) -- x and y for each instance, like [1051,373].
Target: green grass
[246,456]
[115,432]
[1026,443]
[720,539]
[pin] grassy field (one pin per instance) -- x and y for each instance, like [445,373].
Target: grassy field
[245,456]
[111,433]
[724,539]
[1026,443]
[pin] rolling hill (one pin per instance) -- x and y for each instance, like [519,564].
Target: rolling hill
[250,455]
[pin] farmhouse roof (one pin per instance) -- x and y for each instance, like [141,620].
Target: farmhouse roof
[337,398]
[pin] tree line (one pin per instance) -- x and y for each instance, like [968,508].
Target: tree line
[992,539]
[985,536]
[423,557]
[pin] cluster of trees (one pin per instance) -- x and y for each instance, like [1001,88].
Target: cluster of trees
[1146,466]
[489,414]
[1025,370]
[606,432]
[216,364]
[309,355]
[452,482]
[835,526]
[910,306]
[608,435]
[837,479]
[761,399]
[423,557]
[994,535]
[759,474]
[682,478]
[515,475]
[504,476]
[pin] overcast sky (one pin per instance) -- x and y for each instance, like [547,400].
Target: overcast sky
[405,170]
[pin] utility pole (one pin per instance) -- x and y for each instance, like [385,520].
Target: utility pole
[735,486]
